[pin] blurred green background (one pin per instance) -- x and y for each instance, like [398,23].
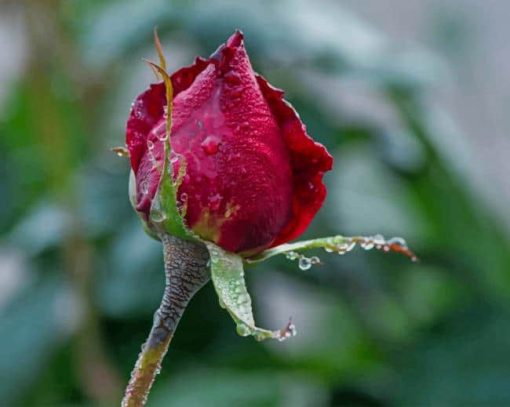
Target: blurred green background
[411,97]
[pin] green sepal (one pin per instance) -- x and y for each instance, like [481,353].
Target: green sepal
[228,279]
[337,244]
[165,214]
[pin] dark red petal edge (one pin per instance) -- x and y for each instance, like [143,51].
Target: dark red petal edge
[309,161]
[148,109]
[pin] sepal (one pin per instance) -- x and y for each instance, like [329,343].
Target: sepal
[334,244]
[227,274]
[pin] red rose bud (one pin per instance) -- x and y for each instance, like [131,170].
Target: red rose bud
[253,176]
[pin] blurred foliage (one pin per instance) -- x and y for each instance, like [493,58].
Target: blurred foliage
[79,279]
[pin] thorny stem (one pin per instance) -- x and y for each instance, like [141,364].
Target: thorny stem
[186,272]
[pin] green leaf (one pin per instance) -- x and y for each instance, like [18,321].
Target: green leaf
[228,279]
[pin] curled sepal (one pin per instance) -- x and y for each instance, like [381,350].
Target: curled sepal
[228,278]
[335,244]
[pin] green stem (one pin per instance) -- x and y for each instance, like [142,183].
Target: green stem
[186,272]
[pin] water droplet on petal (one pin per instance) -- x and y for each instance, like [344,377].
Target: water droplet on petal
[236,92]
[150,145]
[214,202]
[210,145]
[145,187]
[232,79]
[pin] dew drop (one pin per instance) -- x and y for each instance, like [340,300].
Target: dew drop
[243,299]
[292,255]
[288,332]
[210,145]
[236,92]
[150,145]
[367,244]
[232,79]
[350,245]
[145,187]
[157,216]
[242,329]
[397,241]
[379,240]
[315,260]
[214,202]
[304,263]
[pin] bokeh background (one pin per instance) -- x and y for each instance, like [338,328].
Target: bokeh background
[412,97]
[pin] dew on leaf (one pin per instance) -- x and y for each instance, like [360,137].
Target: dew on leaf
[304,263]
[397,241]
[292,255]
[367,244]
[379,240]
[157,216]
[242,329]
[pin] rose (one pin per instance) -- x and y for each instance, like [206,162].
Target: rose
[253,176]
[246,177]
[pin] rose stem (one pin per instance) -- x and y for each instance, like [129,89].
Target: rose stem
[186,272]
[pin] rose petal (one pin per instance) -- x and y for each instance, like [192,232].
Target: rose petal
[309,161]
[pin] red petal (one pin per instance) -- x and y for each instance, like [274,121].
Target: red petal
[148,109]
[309,161]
